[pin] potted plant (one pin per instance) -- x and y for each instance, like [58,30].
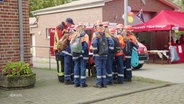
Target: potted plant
[17,75]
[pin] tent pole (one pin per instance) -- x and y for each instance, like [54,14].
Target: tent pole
[170,34]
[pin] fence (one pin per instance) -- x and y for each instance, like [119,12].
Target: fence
[42,54]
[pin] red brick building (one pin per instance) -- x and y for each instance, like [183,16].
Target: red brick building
[9,31]
[89,11]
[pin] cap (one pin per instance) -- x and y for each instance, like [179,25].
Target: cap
[129,28]
[112,30]
[98,23]
[105,24]
[69,20]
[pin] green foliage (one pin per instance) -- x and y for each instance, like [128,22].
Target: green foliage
[16,69]
[179,3]
[40,4]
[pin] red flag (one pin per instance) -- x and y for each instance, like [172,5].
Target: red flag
[140,15]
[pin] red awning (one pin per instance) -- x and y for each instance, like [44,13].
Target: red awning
[165,20]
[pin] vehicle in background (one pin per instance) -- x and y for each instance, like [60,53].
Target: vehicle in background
[143,55]
[142,51]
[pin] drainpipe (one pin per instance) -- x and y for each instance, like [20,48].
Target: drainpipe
[21,30]
[125,12]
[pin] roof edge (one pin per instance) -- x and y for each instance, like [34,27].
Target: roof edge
[64,8]
[174,6]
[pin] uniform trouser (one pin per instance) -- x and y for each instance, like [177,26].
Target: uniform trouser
[79,71]
[60,66]
[60,62]
[100,70]
[128,69]
[120,68]
[114,70]
[109,66]
[68,67]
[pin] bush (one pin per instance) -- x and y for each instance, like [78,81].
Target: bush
[16,69]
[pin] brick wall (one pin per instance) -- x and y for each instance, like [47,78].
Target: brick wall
[9,32]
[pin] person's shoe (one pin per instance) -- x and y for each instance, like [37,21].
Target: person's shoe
[128,79]
[68,82]
[83,85]
[120,82]
[109,83]
[98,86]
[76,85]
[117,82]
[104,86]
[61,79]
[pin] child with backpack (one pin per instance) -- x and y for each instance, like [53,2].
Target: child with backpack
[118,51]
[100,46]
[131,42]
[79,49]
[110,56]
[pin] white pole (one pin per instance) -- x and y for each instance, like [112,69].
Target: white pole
[170,37]
[125,12]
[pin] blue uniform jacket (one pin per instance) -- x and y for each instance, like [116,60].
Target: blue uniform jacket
[95,46]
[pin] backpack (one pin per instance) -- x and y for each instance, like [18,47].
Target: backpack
[62,44]
[134,59]
[102,45]
[127,48]
[117,47]
[76,45]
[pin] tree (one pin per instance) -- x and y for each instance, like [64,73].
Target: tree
[179,3]
[40,4]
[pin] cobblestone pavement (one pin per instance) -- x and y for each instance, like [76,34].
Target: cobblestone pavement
[168,95]
[49,91]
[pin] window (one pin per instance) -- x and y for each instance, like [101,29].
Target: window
[47,33]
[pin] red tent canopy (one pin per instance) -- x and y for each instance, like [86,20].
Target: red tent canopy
[165,20]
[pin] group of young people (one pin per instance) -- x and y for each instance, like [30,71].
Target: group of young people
[111,48]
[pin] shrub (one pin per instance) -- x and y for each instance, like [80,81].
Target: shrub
[16,69]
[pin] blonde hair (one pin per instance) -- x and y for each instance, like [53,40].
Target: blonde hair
[107,33]
[79,31]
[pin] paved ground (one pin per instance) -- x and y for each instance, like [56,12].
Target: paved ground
[49,91]
[171,73]
[167,95]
